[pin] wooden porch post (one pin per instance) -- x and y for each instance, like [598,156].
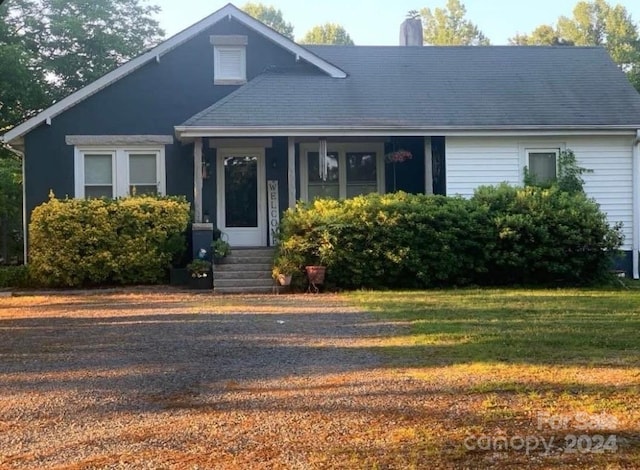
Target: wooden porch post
[428,166]
[291,172]
[197,179]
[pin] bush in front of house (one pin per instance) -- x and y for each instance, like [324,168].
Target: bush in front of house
[389,241]
[547,236]
[89,242]
[14,276]
[503,235]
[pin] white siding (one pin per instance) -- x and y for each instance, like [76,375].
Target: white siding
[477,161]
[610,184]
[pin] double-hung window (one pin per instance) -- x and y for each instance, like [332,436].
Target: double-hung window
[349,169]
[119,171]
[99,171]
[542,163]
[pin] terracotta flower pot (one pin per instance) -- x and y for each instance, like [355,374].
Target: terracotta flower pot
[316,274]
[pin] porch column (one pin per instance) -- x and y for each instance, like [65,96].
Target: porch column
[197,179]
[291,172]
[428,166]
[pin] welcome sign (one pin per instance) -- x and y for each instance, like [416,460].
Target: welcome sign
[274,210]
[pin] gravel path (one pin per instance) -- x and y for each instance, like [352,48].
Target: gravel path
[110,382]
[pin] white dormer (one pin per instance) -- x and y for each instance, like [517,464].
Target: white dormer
[229,59]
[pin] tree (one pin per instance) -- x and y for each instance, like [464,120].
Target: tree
[448,27]
[541,36]
[270,16]
[328,33]
[48,49]
[595,23]
[10,207]
[74,42]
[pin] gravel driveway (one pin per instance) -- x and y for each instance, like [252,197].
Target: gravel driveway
[183,381]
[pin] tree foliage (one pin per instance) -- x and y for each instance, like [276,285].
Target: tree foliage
[74,42]
[50,48]
[594,23]
[10,207]
[270,16]
[328,33]
[448,27]
[542,35]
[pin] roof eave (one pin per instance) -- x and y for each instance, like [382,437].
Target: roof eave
[157,52]
[187,132]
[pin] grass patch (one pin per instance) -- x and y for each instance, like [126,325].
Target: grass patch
[511,361]
[587,327]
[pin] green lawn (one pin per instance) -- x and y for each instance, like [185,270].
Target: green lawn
[587,327]
[508,358]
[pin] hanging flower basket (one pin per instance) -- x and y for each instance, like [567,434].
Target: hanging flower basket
[395,157]
[398,156]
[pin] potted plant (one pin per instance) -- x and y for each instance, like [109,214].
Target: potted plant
[220,249]
[283,277]
[201,276]
[286,263]
[320,254]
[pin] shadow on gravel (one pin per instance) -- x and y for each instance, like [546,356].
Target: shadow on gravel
[161,353]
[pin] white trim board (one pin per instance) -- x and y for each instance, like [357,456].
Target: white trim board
[228,11]
[118,139]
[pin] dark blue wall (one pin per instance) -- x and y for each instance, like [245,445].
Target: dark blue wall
[151,100]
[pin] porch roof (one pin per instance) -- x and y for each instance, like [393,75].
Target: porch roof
[495,87]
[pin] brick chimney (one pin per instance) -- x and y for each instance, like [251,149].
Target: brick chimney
[411,32]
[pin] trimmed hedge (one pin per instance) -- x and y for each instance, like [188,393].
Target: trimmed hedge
[547,235]
[502,235]
[388,241]
[85,242]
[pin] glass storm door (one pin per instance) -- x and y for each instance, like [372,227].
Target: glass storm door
[241,196]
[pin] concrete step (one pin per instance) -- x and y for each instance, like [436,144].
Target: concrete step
[231,259]
[242,274]
[265,283]
[244,271]
[248,252]
[242,290]
[239,267]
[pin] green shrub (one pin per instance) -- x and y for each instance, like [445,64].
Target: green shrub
[78,242]
[14,276]
[547,235]
[502,235]
[393,240]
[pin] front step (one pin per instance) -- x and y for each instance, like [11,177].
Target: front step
[244,271]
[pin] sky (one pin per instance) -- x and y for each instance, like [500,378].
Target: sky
[377,22]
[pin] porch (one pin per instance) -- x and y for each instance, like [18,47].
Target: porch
[243,185]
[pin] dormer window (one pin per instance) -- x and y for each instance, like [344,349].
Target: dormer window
[229,60]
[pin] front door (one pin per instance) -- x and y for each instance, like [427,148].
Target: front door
[241,196]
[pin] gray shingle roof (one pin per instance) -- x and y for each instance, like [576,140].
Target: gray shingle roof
[438,87]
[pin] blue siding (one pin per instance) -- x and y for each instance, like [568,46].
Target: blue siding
[151,100]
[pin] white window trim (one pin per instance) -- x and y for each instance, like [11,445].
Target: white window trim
[120,167]
[241,78]
[538,146]
[342,149]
